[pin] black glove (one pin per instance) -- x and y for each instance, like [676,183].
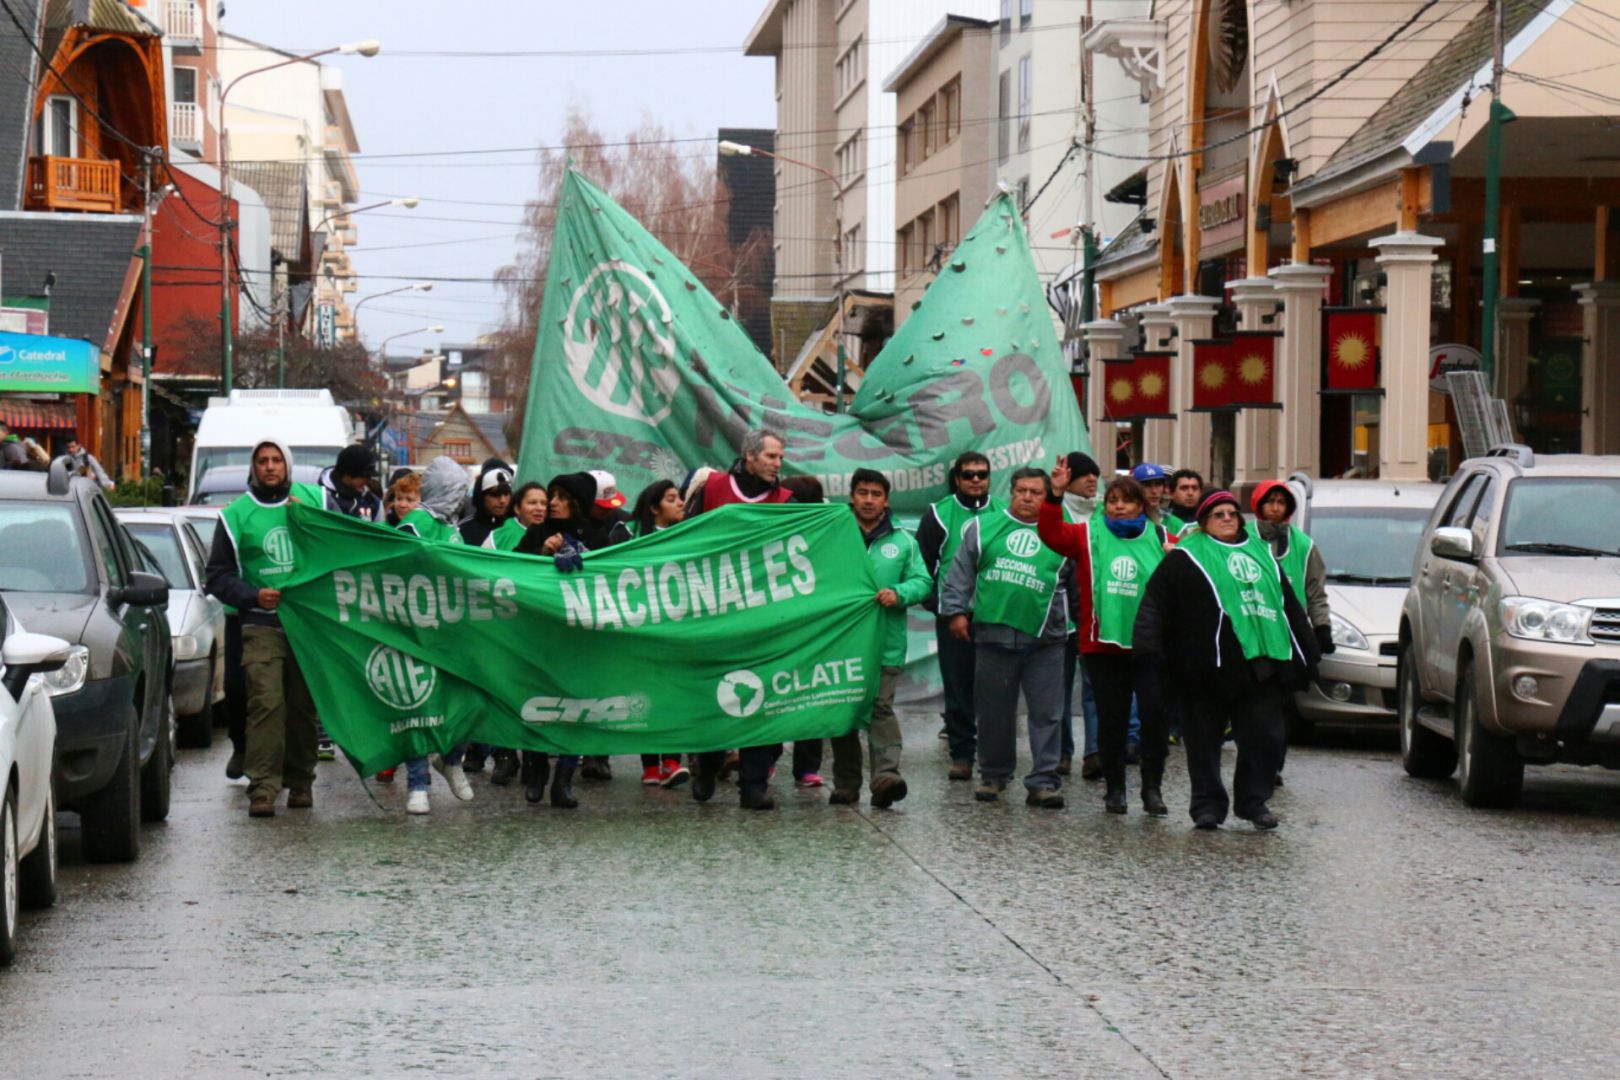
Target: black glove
[1324,640]
[569,561]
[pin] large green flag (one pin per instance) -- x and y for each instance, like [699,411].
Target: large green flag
[745,626]
[639,370]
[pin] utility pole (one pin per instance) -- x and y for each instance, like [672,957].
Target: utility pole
[1088,227]
[146,321]
[224,253]
[1499,114]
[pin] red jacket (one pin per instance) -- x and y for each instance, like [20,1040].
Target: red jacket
[721,490]
[1074,542]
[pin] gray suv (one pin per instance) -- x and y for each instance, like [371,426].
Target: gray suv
[1510,631]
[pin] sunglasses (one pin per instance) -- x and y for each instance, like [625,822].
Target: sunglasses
[975,474]
[1219,515]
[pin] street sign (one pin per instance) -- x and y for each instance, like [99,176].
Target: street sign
[32,363]
[326,326]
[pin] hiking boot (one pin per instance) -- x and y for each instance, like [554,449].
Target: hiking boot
[262,806]
[596,768]
[536,771]
[989,790]
[960,770]
[1091,767]
[708,771]
[300,798]
[1114,801]
[473,760]
[417,802]
[673,774]
[1152,779]
[888,790]
[562,788]
[1262,819]
[1045,798]
[456,777]
[732,763]
[1065,766]
[843,796]
[756,799]
[506,768]
[233,767]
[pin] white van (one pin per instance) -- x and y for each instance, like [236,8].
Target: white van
[309,422]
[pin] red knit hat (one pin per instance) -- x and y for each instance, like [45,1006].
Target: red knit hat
[1214,499]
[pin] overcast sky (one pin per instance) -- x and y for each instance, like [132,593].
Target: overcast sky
[410,104]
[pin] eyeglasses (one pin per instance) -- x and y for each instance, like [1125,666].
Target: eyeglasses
[1221,515]
[975,474]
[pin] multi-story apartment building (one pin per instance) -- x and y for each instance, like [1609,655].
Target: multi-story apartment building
[191,68]
[298,113]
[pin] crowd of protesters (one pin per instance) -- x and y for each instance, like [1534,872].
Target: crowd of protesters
[1146,605]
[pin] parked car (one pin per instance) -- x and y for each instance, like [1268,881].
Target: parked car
[205,519]
[27,804]
[1510,632]
[67,568]
[196,620]
[1367,531]
[220,485]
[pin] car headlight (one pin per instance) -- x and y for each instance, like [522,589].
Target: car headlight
[185,647]
[1544,620]
[1346,636]
[71,675]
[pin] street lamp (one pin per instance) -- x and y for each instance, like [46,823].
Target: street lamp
[735,149]
[409,202]
[420,286]
[382,350]
[368,47]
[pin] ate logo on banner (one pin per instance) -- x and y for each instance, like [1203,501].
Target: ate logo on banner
[619,343]
[741,693]
[278,546]
[398,680]
[1243,568]
[1023,543]
[1123,568]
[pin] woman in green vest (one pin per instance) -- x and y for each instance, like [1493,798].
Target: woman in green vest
[1228,641]
[1297,554]
[528,509]
[1115,553]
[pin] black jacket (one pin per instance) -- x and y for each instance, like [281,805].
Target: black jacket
[367,506]
[476,526]
[614,529]
[535,537]
[1181,629]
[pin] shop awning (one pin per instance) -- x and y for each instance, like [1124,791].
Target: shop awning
[25,415]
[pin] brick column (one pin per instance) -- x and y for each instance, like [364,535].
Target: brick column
[1407,259]
[1158,436]
[1256,450]
[1299,368]
[1193,317]
[1600,367]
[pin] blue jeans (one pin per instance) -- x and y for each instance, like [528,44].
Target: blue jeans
[417,771]
[999,674]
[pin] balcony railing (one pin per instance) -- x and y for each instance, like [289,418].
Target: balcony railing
[63,183]
[185,123]
[182,22]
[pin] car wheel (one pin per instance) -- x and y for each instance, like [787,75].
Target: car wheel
[110,819]
[37,873]
[196,732]
[1425,754]
[1491,773]
[155,773]
[8,886]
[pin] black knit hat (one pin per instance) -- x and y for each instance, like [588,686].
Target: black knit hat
[355,460]
[1082,464]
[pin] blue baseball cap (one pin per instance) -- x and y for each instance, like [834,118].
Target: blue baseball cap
[1147,473]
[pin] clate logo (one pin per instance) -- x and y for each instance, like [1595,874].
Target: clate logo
[741,693]
[1024,543]
[1123,568]
[890,551]
[1243,568]
[278,546]
[399,680]
[620,344]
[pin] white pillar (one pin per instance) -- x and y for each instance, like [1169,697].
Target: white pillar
[1600,367]
[1105,340]
[1407,259]
[1256,450]
[1194,317]
[1513,315]
[1158,436]
[1299,367]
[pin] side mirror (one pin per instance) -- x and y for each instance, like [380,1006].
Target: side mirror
[1452,543]
[144,590]
[31,654]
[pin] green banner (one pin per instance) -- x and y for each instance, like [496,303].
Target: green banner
[745,626]
[638,369]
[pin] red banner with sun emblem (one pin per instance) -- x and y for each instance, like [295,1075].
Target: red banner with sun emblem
[1254,367]
[1351,341]
[1137,388]
[1214,377]
[1118,389]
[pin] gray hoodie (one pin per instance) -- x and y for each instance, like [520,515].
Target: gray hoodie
[444,488]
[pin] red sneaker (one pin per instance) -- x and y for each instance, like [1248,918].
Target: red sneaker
[386,776]
[650,776]
[673,774]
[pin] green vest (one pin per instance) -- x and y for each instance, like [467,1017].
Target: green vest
[955,518]
[1176,527]
[1017,574]
[1294,559]
[1119,572]
[897,564]
[429,527]
[1244,578]
[507,536]
[264,549]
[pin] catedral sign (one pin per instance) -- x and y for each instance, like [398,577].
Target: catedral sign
[30,363]
[748,625]
[640,370]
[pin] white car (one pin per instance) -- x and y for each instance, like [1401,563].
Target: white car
[1368,532]
[27,751]
[196,620]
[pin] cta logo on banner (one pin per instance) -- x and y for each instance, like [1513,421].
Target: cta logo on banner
[1351,341]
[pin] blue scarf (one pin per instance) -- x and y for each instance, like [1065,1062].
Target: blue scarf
[1126,528]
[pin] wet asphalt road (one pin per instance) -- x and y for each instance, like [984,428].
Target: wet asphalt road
[1384,930]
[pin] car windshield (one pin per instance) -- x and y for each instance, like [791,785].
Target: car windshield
[164,544]
[215,456]
[42,549]
[1561,515]
[1368,545]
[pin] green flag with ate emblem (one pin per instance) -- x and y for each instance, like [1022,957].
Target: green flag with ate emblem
[638,369]
[745,626]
